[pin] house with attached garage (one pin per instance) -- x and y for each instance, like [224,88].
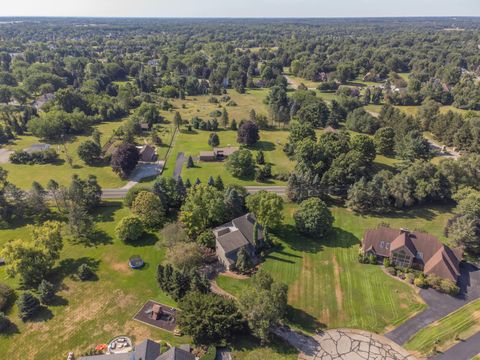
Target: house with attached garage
[414,249]
[238,234]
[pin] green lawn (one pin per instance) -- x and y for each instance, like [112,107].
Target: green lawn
[248,348]
[327,285]
[92,312]
[462,323]
[191,143]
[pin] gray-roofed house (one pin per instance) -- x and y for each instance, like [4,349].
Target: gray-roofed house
[181,353]
[235,235]
[37,148]
[146,350]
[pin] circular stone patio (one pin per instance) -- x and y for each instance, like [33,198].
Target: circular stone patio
[348,344]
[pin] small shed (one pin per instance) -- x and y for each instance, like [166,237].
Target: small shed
[207,156]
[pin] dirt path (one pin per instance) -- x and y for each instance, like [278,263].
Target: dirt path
[219,291]
[178,165]
[338,286]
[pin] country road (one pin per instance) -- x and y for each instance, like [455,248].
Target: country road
[121,192]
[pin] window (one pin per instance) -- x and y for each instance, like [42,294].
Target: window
[382,244]
[387,245]
[401,259]
[420,255]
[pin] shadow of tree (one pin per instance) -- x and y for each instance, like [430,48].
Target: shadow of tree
[44,314]
[107,213]
[289,234]
[263,145]
[96,238]
[148,239]
[69,267]
[10,331]
[303,320]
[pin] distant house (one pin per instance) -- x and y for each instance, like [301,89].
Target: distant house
[330,129]
[147,153]
[218,154]
[37,148]
[147,350]
[235,235]
[414,249]
[42,100]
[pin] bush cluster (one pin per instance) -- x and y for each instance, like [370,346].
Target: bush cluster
[48,156]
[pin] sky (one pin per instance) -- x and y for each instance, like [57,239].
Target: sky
[239,8]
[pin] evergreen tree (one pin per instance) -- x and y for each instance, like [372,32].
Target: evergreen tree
[181,190]
[188,184]
[211,182]
[28,305]
[233,126]
[243,262]
[190,163]
[253,115]
[260,158]
[224,118]
[197,182]
[180,285]
[178,120]
[46,291]
[199,283]
[219,183]
[85,272]
[213,140]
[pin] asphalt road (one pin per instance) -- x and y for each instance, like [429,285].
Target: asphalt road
[464,350]
[121,192]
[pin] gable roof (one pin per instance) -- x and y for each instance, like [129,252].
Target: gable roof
[238,233]
[436,257]
[146,350]
[147,153]
[176,354]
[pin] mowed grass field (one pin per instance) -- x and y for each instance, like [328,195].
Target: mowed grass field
[23,175]
[192,142]
[327,285]
[93,312]
[462,323]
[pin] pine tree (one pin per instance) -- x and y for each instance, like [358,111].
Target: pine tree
[219,183]
[233,126]
[211,182]
[180,285]
[188,184]
[224,118]
[190,163]
[178,120]
[197,182]
[181,190]
[199,283]
[260,158]
[28,305]
[255,235]
[253,115]
[46,291]
[244,262]
[85,272]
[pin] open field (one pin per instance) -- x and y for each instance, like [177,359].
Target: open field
[460,324]
[326,282]
[191,143]
[92,312]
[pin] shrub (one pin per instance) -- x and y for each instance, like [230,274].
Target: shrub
[387,263]
[6,294]
[28,305]
[391,270]
[132,194]
[130,228]
[410,278]
[210,354]
[372,259]
[420,282]
[48,156]
[85,272]
[207,239]
[434,281]
[449,287]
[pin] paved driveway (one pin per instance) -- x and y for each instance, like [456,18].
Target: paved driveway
[464,350]
[439,305]
[178,165]
[5,156]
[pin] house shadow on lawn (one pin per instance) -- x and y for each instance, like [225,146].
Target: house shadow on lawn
[303,320]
